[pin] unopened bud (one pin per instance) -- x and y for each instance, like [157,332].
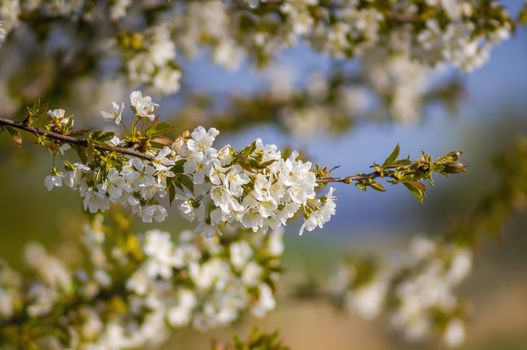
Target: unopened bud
[455,168]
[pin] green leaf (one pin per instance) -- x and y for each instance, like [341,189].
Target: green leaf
[102,136]
[254,164]
[393,156]
[106,136]
[81,152]
[159,129]
[186,181]
[418,189]
[377,186]
[401,162]
[171,191]
[268,163]
[448,157]
[248,150]
[178,167]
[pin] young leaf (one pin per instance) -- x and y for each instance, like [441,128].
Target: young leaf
[178,167]
[81,152]
[103,136]
[247,150]
[418,189]
[159,129]
[171,191]
[186,181]
[393,156]
[448,157]
[401,162]
[377,186]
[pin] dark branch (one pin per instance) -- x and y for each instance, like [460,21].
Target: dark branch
[348,179]
[70,139]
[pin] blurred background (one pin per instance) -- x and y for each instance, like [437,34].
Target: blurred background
[491,114]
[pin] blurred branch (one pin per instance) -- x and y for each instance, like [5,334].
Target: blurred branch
[334,103]
[495,208]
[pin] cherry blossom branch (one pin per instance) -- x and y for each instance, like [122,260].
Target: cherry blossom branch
[83,142]
[399,171]
[103,177]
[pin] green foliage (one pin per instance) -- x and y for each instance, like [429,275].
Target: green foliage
[393,156]
[411,173]
[257,340]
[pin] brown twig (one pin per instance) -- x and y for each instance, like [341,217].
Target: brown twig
[348,179]
[70,139]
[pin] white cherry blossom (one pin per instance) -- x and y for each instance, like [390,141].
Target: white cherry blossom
[116,113]
[144,107]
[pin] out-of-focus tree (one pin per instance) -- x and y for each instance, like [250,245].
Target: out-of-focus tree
[390,60]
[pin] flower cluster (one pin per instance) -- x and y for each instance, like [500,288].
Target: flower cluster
[428,291]
[11,11]
[37,299]
[402,47]
[150,59]
[360,289]
[392,40]
[137,184]
[385,87]
[255,188]
[418,295]
[401,82]
[220,280]
[131,290]
[457,32]
[460,33]
[201,23]
[148,55]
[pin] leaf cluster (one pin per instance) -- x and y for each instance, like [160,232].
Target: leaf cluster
[412,174]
